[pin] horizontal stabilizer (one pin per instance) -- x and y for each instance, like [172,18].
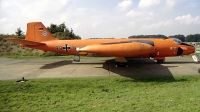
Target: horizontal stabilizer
[24,42]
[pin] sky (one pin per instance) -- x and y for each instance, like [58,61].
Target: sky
[104,18]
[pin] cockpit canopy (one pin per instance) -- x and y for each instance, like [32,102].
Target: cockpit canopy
[180,42]
[177,40]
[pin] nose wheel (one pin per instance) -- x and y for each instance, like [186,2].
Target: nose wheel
[160,61]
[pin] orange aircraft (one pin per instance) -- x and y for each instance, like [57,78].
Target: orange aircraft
[38,37]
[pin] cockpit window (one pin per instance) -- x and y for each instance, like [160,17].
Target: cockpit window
[177,40]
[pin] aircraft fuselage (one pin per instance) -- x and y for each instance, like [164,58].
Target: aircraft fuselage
[162,47]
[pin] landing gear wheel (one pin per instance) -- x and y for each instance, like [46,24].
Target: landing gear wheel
[160,61]
[118,64]
[121,62]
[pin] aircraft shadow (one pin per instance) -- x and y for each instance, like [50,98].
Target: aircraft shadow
[138,70]
[141,70]
[56,64]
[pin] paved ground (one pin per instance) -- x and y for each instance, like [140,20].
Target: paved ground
[49,68]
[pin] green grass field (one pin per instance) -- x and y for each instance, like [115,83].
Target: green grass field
[125,94]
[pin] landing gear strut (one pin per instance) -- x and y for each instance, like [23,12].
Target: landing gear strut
[77,58]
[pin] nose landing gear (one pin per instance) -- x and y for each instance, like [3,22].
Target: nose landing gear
[160,61]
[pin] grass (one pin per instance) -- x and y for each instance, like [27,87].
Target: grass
[123,94]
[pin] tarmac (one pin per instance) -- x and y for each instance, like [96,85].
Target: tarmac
[14,69]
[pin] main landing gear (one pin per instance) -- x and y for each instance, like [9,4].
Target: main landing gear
[121,62]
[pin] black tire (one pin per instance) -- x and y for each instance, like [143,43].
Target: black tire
[160,61]
[121,64]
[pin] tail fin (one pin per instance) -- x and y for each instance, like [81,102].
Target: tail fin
[37,32]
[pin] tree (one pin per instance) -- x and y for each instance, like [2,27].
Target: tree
[61,27]
[52,28]
[62,32]
[19,32]
[57,28]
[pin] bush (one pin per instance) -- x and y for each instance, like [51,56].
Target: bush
[9,49]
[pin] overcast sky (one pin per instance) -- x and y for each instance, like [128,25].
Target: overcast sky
[104,18]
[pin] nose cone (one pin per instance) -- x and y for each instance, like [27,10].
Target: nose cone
[190,50]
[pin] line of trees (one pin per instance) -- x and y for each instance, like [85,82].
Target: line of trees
[188,38]
[148,36]
[193,38]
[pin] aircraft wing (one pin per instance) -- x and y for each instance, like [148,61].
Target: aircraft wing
[24,42]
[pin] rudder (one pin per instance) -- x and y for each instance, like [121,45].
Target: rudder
[37,32]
